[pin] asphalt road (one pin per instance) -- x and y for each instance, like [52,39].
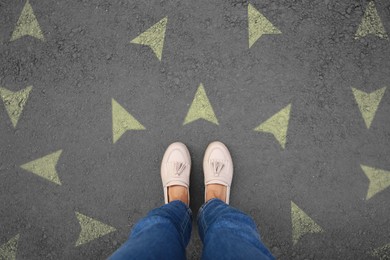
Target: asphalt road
[93,91]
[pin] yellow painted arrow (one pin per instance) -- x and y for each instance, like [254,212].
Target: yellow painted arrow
[277,125]
[258,25]
[45,167]
[200,108]
[91,229]
[379,180]
[9,249]
[382,252]
[302,224]
[15,102]
[122,121]
[371,24]
[154,37]
[368,103]
[27,25]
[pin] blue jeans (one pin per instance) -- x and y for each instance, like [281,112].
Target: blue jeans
[164,233]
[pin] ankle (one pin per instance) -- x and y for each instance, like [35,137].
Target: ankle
[217,191]
[177,192]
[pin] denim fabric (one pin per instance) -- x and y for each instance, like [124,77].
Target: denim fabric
[228,233]
[164,233]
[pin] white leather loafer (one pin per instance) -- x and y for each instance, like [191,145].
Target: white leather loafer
[218,167]
[175,168]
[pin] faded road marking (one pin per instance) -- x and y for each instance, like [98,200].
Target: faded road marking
[258,25]
[9,249]
[382,252]
[371,23]
[277,125]
[201,108]
[91,229]
[27,25]
[368,103]
[45,167]
[122,121]
[379,180]
[14,102]
[302,223]
[154,37]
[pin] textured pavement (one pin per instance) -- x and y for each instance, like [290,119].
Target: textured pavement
[93,91]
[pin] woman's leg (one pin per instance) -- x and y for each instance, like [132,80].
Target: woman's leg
[163,234]
[228,233]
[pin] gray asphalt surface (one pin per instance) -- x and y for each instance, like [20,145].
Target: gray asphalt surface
[87,59]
